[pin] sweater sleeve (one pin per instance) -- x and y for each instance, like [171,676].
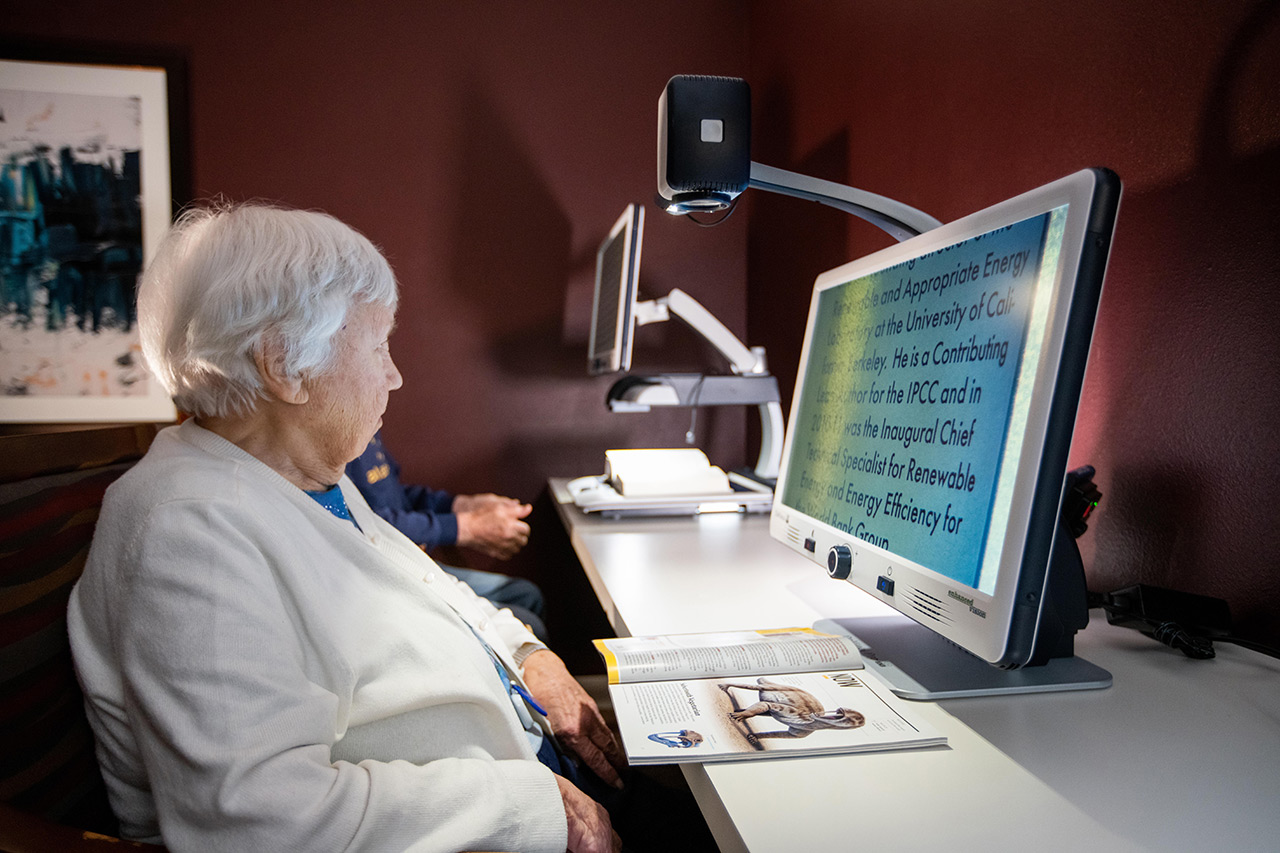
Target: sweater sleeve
[236,731]
[502,623]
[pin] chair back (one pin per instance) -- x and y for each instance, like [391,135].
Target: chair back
[47,516]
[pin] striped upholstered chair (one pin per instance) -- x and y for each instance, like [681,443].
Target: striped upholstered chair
[51,486]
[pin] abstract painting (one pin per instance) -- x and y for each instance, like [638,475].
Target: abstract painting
[84,197]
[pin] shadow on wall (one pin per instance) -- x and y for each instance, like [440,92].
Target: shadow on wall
[513,260]
[511,246]
[564,339]
[530,409]
[1185,374]
[779,293]
[509,259]
[779,299]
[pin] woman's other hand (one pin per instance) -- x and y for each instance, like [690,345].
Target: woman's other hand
[573,715]
[589,827]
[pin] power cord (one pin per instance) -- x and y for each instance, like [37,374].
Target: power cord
[692,435]
[1251,644]
[1180,620]
[1175,636]
[1184,621]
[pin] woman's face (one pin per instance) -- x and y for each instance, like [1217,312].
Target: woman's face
[347,402]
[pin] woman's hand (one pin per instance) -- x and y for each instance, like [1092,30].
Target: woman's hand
[573,715]
[589,827]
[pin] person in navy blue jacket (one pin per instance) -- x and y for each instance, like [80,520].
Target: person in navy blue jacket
[433,518]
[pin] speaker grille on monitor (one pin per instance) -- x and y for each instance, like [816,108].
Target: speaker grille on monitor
[929,606]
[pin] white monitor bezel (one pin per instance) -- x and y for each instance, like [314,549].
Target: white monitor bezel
[618,358]
[984,625]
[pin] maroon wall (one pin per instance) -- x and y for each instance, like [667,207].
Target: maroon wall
[488,145]
[954,106]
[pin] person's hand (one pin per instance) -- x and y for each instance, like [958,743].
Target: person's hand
[573,715]
[492,524]
[589,827]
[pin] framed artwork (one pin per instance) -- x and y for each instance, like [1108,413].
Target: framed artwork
[85,196]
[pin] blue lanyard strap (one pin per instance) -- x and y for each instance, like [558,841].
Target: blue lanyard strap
[525,693]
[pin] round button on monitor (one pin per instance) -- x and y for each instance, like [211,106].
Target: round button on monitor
[839,562]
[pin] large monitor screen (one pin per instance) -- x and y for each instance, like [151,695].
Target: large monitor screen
[927,445]
[613,304]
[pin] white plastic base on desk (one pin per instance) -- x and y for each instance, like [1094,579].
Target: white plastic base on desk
[595,494]
[1178,755]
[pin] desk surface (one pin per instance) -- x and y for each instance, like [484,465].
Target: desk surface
[1177,755]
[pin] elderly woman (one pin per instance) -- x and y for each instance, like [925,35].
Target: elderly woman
[267,664]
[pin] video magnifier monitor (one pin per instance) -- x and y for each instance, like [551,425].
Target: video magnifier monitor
[613,304]
[934,407]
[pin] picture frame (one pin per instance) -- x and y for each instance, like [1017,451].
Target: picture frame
[87,190]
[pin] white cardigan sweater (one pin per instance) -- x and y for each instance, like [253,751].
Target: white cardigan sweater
[262,676]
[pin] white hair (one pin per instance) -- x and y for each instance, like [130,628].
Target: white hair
[227,277]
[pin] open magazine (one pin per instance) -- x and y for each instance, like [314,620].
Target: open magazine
[752,694]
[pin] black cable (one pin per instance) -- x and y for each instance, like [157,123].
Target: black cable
[691,436]
[1271,651]
[1172,634]
[1169,633]
[1175,636]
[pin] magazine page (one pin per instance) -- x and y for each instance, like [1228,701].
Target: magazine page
[719,719]
[683,656]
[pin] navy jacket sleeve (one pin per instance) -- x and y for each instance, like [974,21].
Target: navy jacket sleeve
[421,513]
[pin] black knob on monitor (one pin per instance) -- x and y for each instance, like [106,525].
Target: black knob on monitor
[839,562]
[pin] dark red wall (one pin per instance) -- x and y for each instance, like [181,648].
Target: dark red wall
[954,106]
[487,147]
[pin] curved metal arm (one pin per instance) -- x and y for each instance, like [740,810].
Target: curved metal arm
[702,321]
[771,432]
[752,383]
[900,221]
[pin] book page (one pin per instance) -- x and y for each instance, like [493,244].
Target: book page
[683,656]
[719,719]
[664,471]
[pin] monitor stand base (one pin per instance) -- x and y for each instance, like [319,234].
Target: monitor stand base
[919,664]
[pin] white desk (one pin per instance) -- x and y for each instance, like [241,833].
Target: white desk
[1176,755]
